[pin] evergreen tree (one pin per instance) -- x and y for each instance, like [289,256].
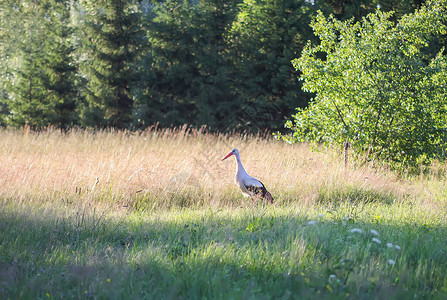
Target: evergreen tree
[265,37]
[214,97]
[110,34]
[60,69]
[7,22]
[190,76]
[38,73]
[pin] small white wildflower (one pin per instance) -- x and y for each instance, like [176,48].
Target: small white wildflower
[389,245]
[374,232]
[397,247]
[332,276]
[346,218]
[354,230]
[391,261]
[376,240]
[312,222]
[320,216]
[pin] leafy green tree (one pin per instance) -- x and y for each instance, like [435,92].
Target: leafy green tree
[38,72]
[344,10]
[376,87]
[110,40]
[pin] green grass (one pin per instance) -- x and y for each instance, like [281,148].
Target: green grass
[204,241]
[239,253]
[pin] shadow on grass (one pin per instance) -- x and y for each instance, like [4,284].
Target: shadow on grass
[234,254]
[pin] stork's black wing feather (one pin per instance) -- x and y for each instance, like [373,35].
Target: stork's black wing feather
[260,191]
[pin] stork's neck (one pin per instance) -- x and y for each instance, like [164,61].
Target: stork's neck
[239,167]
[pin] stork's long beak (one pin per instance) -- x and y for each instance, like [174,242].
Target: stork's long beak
[229,154]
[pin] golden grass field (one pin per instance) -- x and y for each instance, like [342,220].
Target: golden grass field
[119,166]
[156,214]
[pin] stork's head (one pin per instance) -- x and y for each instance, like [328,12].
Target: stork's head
[233,152]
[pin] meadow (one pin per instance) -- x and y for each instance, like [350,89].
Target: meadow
[156,215]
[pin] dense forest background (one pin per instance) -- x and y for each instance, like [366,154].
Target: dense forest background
[225,64]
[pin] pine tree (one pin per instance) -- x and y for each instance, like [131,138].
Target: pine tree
[6,22]
[190,75]
[110,36]
[38,76]
[60,67]
[265,37]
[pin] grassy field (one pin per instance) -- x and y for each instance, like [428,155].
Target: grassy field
[156,215]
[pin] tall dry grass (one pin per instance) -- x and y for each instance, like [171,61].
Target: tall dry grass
[98,215]
[160,168]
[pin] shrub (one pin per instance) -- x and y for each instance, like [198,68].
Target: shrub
[378,86]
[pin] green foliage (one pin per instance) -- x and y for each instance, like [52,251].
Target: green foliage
[189,74]
[37,77]
[224,64]
[344,10]
[265,36]
[377,87]
[110,34]
[61,69]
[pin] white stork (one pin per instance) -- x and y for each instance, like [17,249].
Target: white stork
[250,186]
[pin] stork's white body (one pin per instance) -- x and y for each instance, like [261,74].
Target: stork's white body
[249,185]
[243,180]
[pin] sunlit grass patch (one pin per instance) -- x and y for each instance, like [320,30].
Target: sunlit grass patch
[354,194]
[157,215]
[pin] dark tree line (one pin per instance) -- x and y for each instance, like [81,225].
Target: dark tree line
[129,64]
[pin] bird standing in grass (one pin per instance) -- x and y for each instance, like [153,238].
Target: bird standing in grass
[250,186]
